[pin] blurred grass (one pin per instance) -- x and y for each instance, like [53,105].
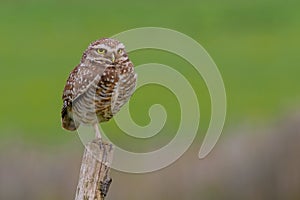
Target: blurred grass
[255,45]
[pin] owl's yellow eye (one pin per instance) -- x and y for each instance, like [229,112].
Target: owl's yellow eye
[101,51]
[120,51]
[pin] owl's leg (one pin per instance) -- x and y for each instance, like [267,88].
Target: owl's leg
[97,131]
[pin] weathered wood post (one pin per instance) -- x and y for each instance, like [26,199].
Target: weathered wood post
[94,179]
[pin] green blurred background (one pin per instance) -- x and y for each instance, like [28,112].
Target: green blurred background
[255,45]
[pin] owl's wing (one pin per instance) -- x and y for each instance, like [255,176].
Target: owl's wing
[79,81]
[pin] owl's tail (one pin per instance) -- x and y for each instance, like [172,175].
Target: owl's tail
[68,123]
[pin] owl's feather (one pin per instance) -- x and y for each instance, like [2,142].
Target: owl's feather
[79,81]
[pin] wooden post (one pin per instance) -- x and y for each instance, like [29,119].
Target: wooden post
[94,180]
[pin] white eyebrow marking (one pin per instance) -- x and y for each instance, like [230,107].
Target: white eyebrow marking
[109,49]
[121,45]
[99,46]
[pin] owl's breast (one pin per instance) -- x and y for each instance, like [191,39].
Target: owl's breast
[114,90]
[123,91]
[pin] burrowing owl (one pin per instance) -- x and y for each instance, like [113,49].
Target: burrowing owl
[99,86]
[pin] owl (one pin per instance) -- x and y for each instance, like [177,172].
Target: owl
[99,86]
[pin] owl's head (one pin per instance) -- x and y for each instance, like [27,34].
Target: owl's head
[105,50]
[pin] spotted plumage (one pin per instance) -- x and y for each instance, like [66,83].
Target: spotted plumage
[99,86]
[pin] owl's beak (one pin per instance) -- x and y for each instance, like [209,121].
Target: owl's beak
[113,58]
